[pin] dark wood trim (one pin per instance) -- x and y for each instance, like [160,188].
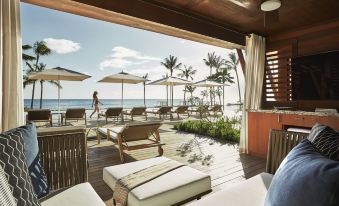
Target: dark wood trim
[242,60]
[136,13]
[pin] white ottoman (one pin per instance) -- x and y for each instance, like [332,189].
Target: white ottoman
[176,186]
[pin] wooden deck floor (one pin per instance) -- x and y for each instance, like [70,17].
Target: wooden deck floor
[226,166]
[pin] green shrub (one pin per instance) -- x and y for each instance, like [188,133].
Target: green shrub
[223,129]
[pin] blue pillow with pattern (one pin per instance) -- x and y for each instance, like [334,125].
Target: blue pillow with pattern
[305,177]
[31,150]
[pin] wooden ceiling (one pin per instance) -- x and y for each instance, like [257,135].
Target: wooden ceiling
[222,23]
[245,15]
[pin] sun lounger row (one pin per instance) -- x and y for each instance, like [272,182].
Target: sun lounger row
[116,113]
[45,115]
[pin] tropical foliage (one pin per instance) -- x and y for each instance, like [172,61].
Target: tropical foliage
[171,63]
[222,129]
[39,49]
[188,72]
[233,63]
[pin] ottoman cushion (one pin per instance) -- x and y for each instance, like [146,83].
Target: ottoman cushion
[168,189]
[78,195]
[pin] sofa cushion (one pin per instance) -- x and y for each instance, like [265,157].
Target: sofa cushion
[78,195]
[326,140]
[249,192]
[12,160]
[168,189]
[6,195]
[31,149]
[305,177]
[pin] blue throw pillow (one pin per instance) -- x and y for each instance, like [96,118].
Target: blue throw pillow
[31,150]
[305,177]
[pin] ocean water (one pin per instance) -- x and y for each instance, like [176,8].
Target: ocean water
[128,103]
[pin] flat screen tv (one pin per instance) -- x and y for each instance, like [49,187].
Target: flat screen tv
[316,77]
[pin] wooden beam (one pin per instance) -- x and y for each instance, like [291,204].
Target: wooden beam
[145,15]
[241,60]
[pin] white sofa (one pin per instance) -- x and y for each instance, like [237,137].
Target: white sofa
[251,192]
[78,195]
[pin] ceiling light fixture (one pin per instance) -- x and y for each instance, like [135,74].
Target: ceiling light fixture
[270,5]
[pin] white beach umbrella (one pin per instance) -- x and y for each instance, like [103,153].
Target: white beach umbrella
[208,83]
[170,81]
[58,74]
[123,78]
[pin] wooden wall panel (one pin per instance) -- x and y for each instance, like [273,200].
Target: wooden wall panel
[309,40]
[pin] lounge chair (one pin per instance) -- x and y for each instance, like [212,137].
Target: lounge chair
[39,115]
[162,111]
[131,133]
[216,109]
[74,114]
[114,112]
[137,111]
[200,110]
[181,110]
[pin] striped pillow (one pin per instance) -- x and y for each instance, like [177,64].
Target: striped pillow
[326,140]
[12,160]
[6,196]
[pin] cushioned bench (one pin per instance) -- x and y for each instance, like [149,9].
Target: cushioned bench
[250,192]
[81,194]
[177,186]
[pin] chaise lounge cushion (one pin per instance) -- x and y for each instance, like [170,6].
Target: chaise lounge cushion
[305,177]
[250,192]
[168,189]
[78,195]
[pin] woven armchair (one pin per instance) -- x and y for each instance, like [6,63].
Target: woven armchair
[281,142]
[63,154]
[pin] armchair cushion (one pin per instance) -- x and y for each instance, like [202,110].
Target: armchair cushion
[305,177]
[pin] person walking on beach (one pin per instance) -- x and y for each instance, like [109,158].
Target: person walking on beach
[96,103]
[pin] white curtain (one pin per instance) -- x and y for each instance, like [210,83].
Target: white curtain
[255,64]
[11,89]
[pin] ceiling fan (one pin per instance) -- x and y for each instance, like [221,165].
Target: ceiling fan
[271,9]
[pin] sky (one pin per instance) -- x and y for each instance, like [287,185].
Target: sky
[99,48]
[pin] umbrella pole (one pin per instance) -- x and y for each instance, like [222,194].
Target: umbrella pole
[122,93]
[59,102]
[172,95]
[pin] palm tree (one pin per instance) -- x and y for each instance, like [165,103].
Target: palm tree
[171,64]
[190,89]
[223,76]
[204,94]
[233,63]
[39,68]
[187,73]
[144,83]
[166,76]
[27,57]
[211,62]
[40,49]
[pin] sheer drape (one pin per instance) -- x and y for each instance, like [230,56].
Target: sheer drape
[11,89]
[255,63]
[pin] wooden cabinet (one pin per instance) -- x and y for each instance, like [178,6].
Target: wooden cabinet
[260,124]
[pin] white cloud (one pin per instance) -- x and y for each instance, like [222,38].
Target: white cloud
[62,46]
[123,57]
